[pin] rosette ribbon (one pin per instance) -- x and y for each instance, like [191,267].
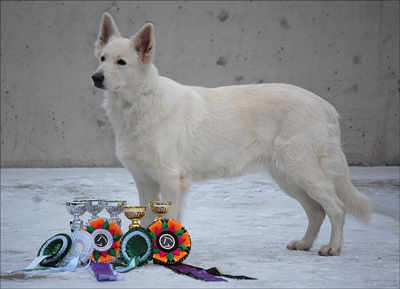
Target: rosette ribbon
[171,241]
[172,246]
[50,253]
[106,236]
[136,249]
[82,247]
[63,253]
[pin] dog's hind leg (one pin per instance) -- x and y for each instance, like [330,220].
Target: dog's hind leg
[322,189]
[315,213]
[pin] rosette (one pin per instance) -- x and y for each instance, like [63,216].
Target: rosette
[137,243]
[171,242]
[57,247]
[82,245]
[106,236]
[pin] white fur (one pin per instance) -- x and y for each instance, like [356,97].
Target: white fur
[168,135]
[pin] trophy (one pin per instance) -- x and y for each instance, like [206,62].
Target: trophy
[134,213]
[160,208]
[114,208]
[76,208]
[94,207]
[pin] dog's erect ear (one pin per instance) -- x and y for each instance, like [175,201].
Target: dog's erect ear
[107,30]
[144,43]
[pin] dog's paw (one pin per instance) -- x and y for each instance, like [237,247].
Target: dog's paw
[299,245]
[329,250]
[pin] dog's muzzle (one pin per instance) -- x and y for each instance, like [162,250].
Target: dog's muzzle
[98,79]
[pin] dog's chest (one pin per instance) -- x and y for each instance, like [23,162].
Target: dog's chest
[136,135]
[122,116]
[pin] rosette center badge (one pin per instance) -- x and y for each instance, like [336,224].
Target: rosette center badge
[168,241]
[102,240]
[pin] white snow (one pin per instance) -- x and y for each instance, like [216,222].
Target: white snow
[240,225]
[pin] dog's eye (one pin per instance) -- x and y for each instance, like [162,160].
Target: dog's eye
[121,62]
[102,58]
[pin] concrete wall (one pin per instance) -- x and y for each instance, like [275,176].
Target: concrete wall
[346,51]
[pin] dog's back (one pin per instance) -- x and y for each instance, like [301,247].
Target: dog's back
[246,126]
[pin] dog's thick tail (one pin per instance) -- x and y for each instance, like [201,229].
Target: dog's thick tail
[357,204]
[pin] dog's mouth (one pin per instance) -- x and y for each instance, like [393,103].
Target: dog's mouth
[102,87]
[99,85]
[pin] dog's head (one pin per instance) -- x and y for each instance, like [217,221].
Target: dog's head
[124,63]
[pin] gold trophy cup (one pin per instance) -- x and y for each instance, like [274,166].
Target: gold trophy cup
[134,213]
[160,208]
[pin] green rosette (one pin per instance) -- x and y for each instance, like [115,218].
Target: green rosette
[57,247]
[137,242]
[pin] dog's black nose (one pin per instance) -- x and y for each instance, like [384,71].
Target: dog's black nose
[98,79]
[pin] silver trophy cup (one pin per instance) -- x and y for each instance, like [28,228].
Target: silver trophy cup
[76,208]
[114,208]
[94,206]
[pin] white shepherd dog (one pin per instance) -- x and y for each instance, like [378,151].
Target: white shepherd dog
[168,135]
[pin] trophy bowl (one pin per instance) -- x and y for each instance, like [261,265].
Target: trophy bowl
[94,206]
[160,208]
[76,208]
[134,213]
[114,208]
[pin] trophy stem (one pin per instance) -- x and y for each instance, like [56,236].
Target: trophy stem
[116,220]
[134,224]
[94,217]
[76,224]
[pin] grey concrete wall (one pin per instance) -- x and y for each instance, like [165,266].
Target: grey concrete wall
[346,51]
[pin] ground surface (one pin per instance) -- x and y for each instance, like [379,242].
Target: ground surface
[240,225]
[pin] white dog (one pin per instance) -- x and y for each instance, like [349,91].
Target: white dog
[168,135]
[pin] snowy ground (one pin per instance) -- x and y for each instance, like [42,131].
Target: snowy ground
[239,225]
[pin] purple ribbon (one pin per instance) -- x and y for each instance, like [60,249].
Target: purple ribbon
[201,274]
[104,272]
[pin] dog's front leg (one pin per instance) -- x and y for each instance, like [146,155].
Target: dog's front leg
[149,191]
